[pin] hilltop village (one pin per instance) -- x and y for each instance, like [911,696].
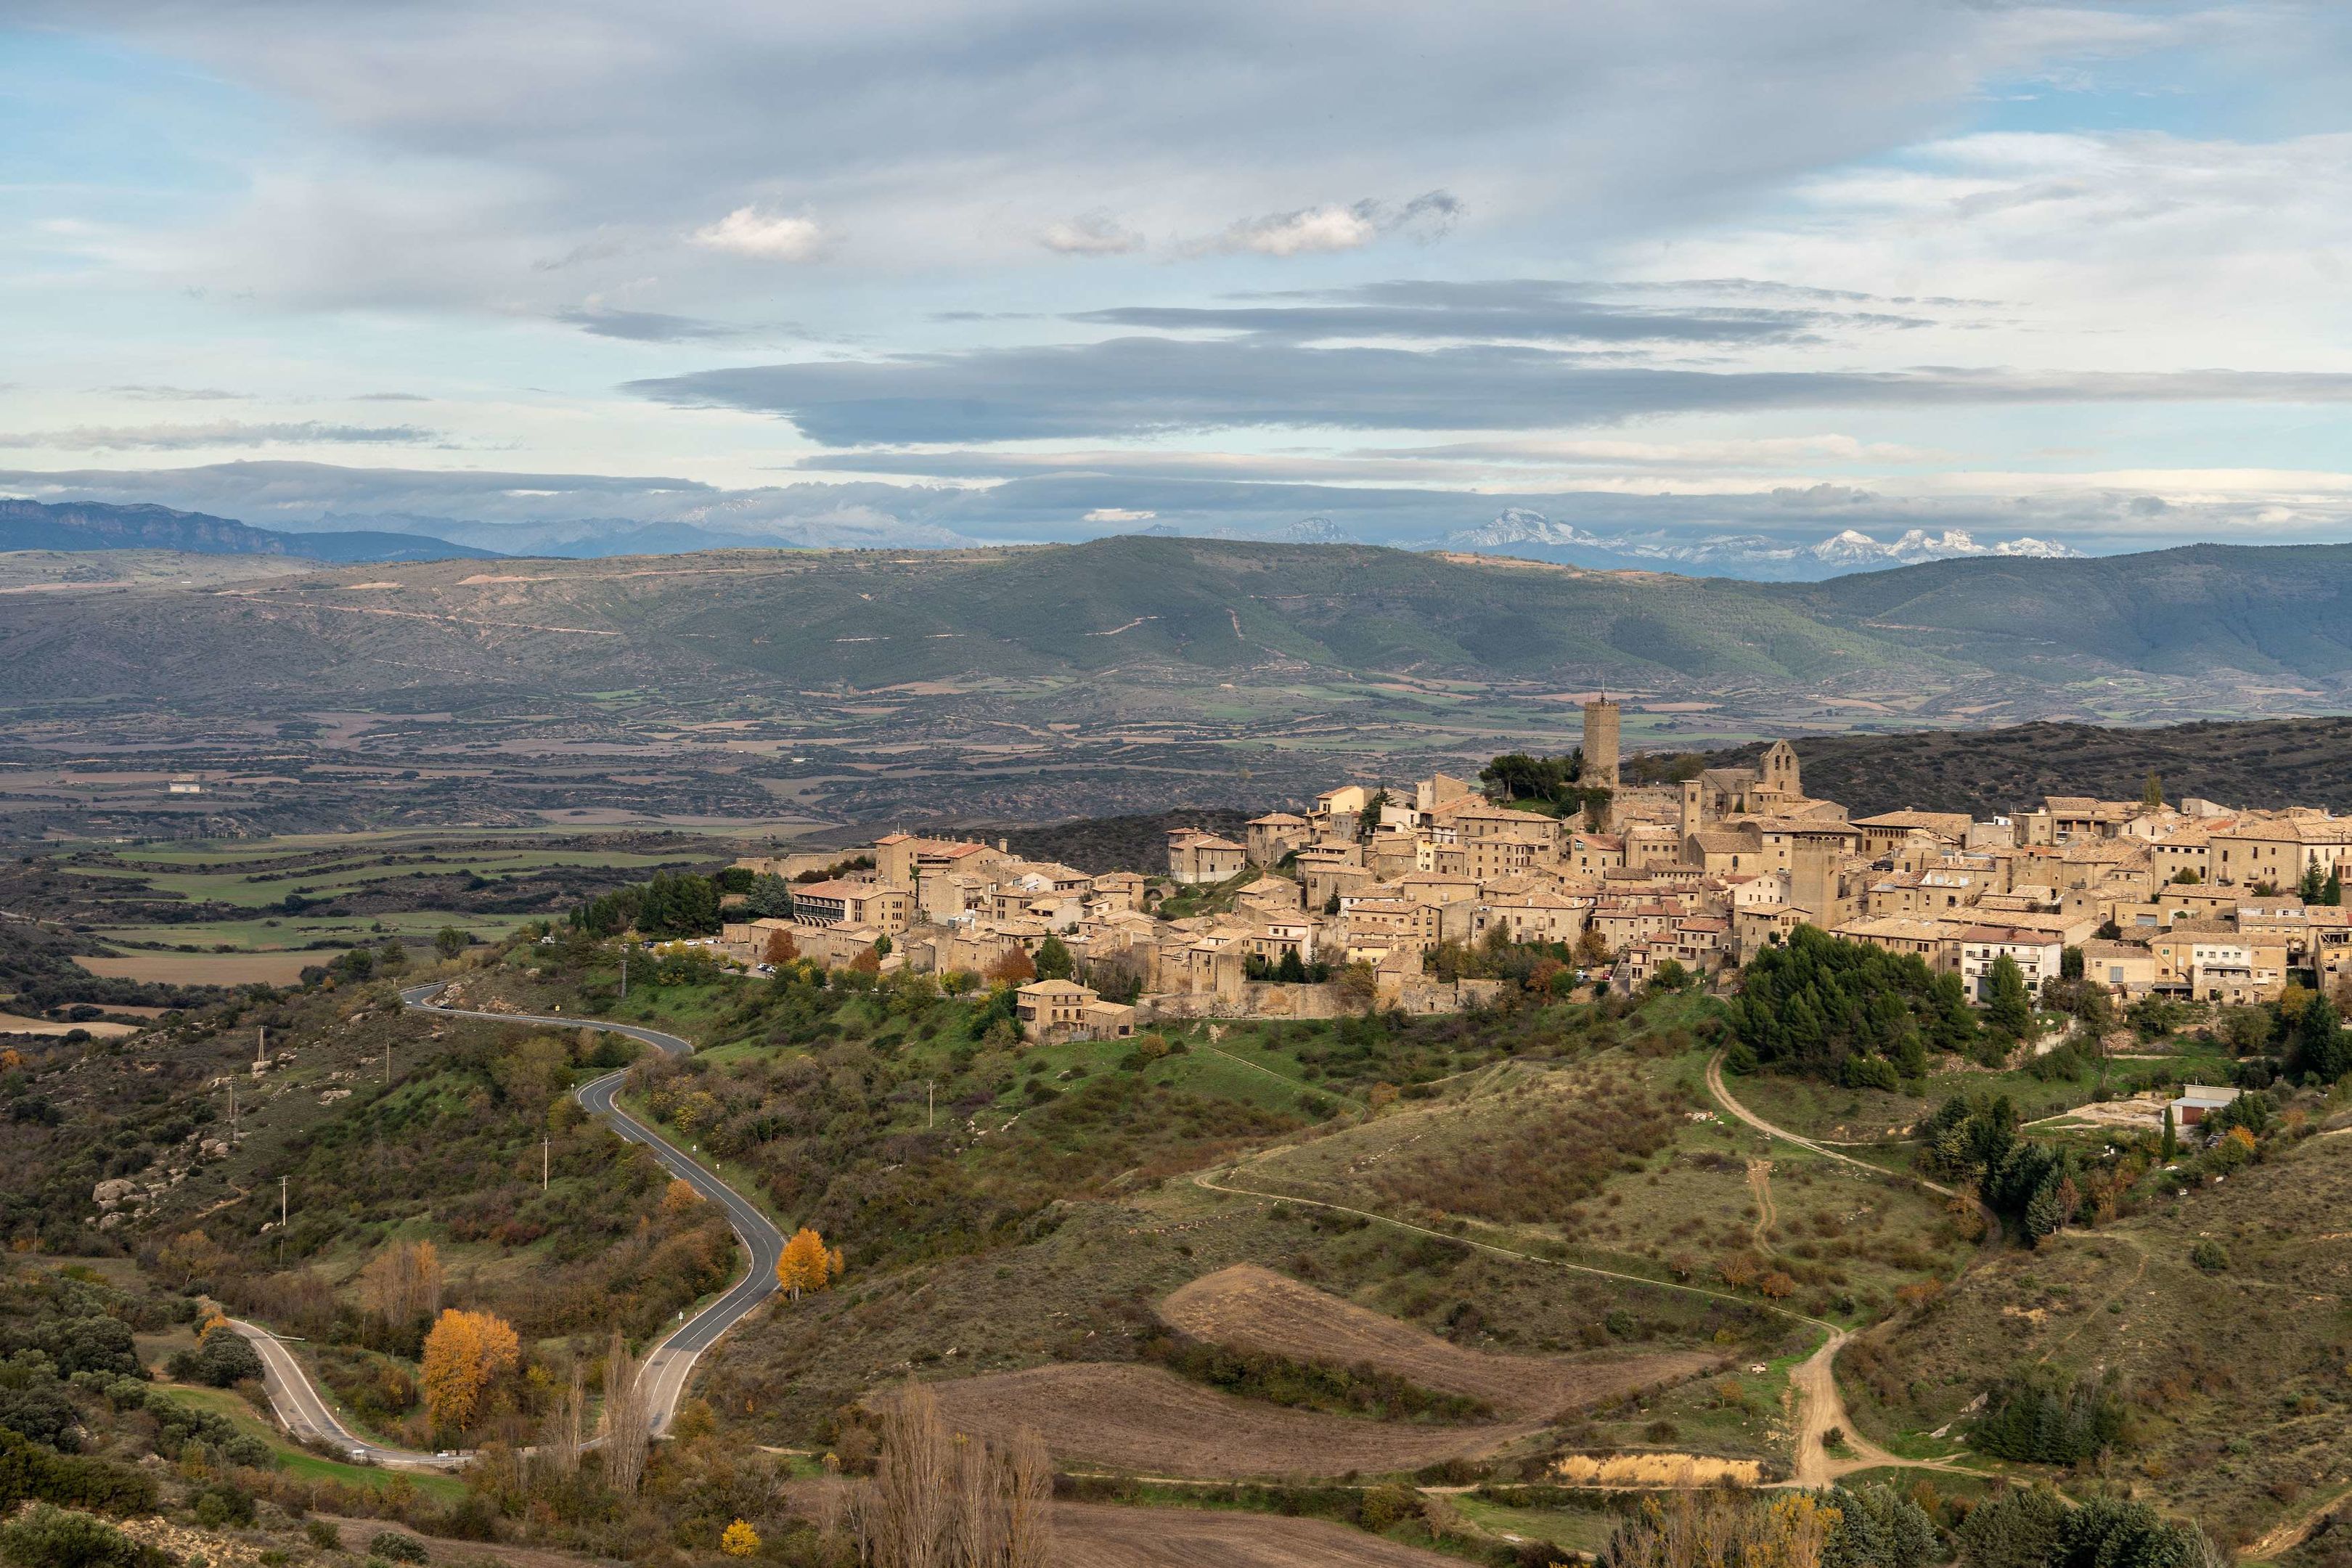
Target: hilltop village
[1369,897]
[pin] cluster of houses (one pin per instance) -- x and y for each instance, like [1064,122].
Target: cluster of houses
[2195,900]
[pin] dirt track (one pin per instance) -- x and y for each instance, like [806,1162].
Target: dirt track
[1257,1309]
[1151,1422]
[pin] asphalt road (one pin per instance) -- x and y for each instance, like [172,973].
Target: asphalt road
[668,1366]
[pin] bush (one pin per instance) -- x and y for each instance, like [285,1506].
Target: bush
[30,1472]
[394,1547]
[323,1534]
[50,1537]
[1385,1507]
[2210,1256]
[224,1359]
[222,1505]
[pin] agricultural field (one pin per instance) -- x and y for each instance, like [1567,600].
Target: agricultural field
[1256,1308]
[1149,1421]
[157,925]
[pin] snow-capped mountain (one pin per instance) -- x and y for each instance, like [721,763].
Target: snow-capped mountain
[1521,530]
[1519,525]
[1852,548]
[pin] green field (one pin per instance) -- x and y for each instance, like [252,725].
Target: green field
[300,1461]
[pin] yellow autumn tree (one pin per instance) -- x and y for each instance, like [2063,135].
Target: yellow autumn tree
[464,1354]
[807,1263]
[738,1540]
[680,1196]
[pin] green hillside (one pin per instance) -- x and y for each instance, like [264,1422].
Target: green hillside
[2278,610]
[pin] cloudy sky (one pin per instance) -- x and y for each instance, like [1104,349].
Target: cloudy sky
[1044,270]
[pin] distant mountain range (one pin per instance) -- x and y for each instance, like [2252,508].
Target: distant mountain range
[86,526]
[1517,531]
[1119,626]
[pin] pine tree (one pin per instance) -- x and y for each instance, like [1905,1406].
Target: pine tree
[2319,1048]
[2312,888]
[2010,1011]
[2331,892]
[1053,961]
[2171,1147]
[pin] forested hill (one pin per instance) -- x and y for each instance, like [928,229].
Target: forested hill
[2262,763]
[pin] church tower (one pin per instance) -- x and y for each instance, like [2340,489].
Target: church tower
[1600,743]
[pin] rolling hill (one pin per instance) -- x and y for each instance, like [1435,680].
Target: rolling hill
[2181,633]
[2262,609]
[94,526]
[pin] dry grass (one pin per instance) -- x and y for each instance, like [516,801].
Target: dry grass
[1260,1309]
[1656,1470]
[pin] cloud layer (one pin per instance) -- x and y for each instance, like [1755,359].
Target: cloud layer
[2070,270]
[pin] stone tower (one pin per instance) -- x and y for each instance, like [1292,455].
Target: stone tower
[1600,743]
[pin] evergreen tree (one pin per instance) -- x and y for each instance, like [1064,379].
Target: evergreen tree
[2171,1136]
[1053,961]
[2010,1010]
[2312,888]
[1817,1002]
[2151,795]
[1952,1023]
[2318,1048]
[2331,892]
[1290,970]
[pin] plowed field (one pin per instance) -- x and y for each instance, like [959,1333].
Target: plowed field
[1093,1535]
[1099,1535]
[1259,1309]
[1153,1423]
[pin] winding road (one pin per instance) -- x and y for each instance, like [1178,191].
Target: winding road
[668,1366]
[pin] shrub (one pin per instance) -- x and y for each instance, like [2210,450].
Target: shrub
[323,1534]
[49,1537]
[2210,1256]
[1385,1507]
[224,1358]
[30,1472]
[224,1504]
[394,1547]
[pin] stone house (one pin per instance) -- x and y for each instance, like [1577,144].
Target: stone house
[1981,947]
[1196,858]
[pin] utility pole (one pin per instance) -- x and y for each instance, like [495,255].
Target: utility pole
[931,1104]
[281,1222]
[387,1063]
[542,1163]
[625,966]
[232,1113]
